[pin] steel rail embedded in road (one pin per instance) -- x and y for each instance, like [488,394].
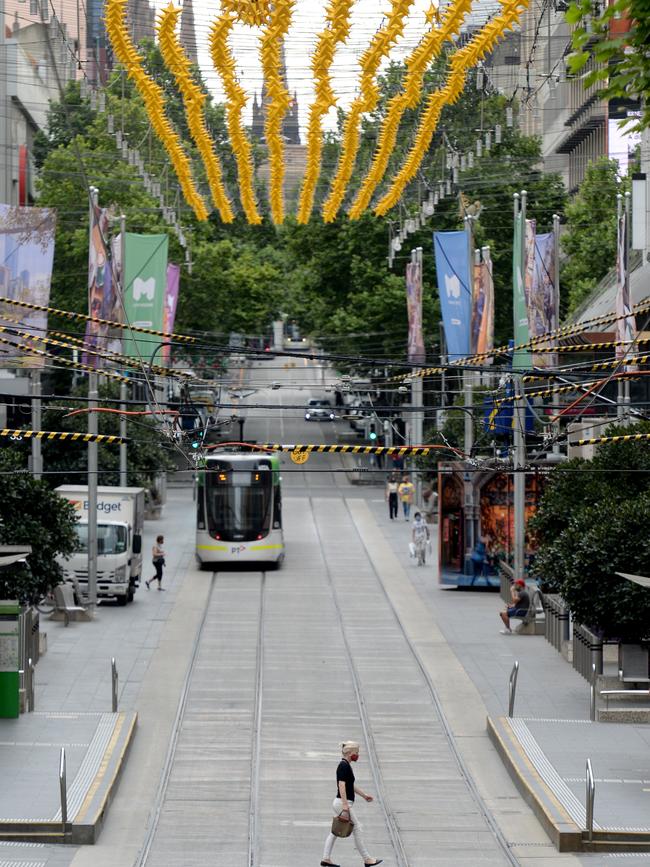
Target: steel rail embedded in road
[373,758]
[460,762]
[256,732]
[143,855]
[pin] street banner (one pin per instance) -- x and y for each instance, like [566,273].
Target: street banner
[626,322]
[483,308]
[103,292]
[541,299]
[416,352]
[144,294]
[452,267]
[26,255]
[171,302]
[520,358]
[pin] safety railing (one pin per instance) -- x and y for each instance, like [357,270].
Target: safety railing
[63,789]
[557,620]
[512,689]
[592,693]
[506,577]
[587,651]
[589,803]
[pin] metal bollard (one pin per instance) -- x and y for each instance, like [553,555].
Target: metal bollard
[592,694]
[512,689]
[64,790]
[114,682]
[591,795]
[30,686]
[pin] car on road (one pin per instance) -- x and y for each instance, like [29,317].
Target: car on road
[318,409]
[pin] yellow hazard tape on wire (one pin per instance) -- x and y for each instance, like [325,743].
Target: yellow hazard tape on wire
[50,356]
[461,60]
[557,389]
[83,317]
[279,101]
[380,45]
[193,101]
[72,436]
[623,438]
[335,33]
[154,101]
[409,97]
[321,449]
[224,62]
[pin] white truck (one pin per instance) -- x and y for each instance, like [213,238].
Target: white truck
[120,518]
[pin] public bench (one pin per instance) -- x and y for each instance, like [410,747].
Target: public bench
[66,606]
[533,622]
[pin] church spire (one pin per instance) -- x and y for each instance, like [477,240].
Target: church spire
[188,32]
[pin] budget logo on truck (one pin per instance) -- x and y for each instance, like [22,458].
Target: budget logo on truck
[104,507]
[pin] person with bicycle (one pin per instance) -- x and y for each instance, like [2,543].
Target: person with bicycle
[420,538]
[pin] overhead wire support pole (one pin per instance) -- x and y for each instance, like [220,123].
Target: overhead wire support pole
[92,457]
[468,399]
[37,454]
[620,391]
[627,402]
[417,419]
[123,393]
[519,482]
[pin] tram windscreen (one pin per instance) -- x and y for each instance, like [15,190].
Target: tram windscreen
[239,503]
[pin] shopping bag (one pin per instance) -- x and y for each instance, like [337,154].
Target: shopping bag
[341,827]
[411,550]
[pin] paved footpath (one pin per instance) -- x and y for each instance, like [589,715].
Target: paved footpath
[552,726]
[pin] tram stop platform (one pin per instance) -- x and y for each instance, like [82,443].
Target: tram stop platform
[546,760]
[96,745]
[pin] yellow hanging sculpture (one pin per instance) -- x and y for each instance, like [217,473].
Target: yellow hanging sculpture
[224,63]
[279,101]
[193,100]
[367,100]
[335,33]
[409,97]
[460,62]
[154,101]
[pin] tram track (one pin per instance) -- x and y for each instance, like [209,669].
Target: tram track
[450,738]
[252,853]
[366,726]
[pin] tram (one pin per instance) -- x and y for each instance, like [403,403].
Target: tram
[239,509]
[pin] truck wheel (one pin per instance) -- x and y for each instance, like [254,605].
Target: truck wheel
[122,600]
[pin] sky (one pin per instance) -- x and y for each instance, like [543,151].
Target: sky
[308,20]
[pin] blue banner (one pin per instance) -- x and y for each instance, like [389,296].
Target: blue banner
[452,267]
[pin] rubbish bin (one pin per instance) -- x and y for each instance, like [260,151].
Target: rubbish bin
[9,658]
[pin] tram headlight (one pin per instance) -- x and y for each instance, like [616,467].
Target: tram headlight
[307,416]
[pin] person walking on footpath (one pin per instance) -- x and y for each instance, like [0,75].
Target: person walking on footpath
[158,560]
[342,805]
[420,538]
[391,496]
[406,493]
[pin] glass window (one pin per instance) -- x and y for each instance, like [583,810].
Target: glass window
[111,539]
[239,504]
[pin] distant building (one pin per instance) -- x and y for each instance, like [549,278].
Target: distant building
[142,20]
[188,32]
[290,123]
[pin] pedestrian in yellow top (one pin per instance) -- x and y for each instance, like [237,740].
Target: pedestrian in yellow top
[406,492]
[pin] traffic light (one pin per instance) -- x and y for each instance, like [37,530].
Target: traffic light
[372,431]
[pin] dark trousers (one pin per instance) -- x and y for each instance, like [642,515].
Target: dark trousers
[158,566]
[392,506]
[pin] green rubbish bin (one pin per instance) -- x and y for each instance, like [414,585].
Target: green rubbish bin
[9,658]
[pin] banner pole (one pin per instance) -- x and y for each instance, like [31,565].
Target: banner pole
[37,454]
[620,392]
[123,445]
[92,453]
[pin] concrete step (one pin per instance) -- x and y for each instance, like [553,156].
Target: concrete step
[629,715]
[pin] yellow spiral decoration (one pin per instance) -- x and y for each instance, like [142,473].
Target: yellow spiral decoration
[335,33]
[193,100]
[367,100]
[271,43]
[409,97]
[460,62]
[224,63]
[154,101]
[255,13]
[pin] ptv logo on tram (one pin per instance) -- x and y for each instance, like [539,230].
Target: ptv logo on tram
[237,549]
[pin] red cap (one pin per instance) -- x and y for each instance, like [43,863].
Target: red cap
[520,583]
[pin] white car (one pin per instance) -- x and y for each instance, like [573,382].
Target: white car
[319,410]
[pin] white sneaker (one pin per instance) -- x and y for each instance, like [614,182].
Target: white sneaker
[507,632]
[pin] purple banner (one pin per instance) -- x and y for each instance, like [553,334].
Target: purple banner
[542,302]
[483,308]
[171,302]
[416,353]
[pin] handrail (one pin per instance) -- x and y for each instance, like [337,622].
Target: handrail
[592,693]
[63,789]
[114,684]
[512,689]
[591,795]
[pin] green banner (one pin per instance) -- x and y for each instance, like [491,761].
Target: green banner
[145,285]
[521,358]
